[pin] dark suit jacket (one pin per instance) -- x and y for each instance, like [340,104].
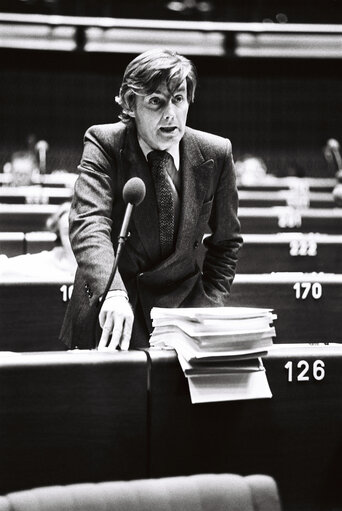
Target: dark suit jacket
[111,156]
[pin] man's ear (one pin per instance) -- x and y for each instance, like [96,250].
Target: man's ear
[130,112]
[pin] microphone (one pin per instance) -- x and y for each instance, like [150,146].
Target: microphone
[332,152]
[133,193]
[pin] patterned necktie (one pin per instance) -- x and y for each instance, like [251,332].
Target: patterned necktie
[159,161]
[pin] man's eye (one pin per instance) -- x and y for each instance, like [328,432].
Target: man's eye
[178,98]
[155,101]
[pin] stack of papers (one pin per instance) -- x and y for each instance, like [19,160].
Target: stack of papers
[219,349]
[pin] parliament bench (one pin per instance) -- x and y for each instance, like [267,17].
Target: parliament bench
[89,416]
[34,195]
[308,305]
[72,417]
[290,252]
[25,217]
[12,243]
[19,243]
[272,183]
[287,219]
[266,199]
[54,180]
[295,436]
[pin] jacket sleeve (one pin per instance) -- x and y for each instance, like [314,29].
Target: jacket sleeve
[90,216]
[225,240]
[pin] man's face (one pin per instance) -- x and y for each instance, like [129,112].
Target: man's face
[161,118]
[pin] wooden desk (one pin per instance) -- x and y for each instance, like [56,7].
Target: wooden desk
[308,305]
[31,315]
[283,219]
[25,217]
[263,253]
[295,436]
[72,417]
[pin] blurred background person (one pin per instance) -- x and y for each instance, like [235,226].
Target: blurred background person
[251,170]
[22,168]
[57,263]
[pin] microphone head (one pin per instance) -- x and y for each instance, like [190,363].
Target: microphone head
[134,191]
[332,143]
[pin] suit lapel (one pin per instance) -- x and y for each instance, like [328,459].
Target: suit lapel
[196,173]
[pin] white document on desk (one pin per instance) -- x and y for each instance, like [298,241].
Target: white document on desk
[229,387]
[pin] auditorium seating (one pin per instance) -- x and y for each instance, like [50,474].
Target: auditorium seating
[291,252]
[72,417]
[203,491]
[307,304]
[295,436]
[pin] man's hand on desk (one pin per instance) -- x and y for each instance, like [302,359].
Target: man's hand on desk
[116,320]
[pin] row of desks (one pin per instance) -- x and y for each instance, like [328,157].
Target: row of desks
[308,306]
[23,217]
[270,183]
[92,416]
[261,253]
[247,198]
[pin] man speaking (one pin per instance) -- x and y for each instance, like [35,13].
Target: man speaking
[190,187]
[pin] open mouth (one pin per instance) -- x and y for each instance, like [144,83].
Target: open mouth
[168,129]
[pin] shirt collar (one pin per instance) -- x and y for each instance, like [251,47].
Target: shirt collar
[173,151]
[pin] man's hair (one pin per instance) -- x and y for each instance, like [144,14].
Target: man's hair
[146,72]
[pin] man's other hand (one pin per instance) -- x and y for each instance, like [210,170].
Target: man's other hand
[116,320]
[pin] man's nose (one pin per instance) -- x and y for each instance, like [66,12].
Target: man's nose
[169,112]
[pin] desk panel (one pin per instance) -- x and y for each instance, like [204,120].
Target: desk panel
[34,195]
[12,243]
[296,436]
[272,183]
[266,199]
[283,219]
[72,417]
[308,305]
[31,315]
[290,252]
[25,217]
